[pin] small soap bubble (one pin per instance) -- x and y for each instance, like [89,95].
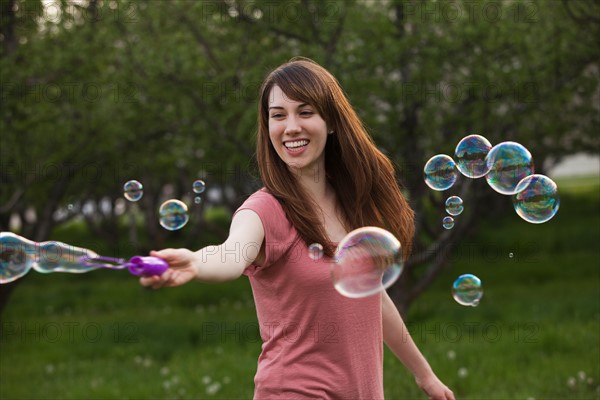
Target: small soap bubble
[197,199]
[367,261]
[467,290]
[454,205]
[511,255]
[173,214]
[536,200]
[315,251]
[470,156]
[448,222]
[440,172]
[508,164]
[199,186]
[133,190]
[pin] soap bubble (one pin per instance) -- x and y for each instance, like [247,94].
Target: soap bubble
[448,222]
[17,256]
[470,156]
[199,186]
[440,172]
[508,164]
[536,200]
[467,290]
[367,261]
[454,205]
[61,257]
[173,214]
[315,251]
[133,190]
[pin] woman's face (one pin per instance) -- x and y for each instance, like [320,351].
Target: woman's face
[298,133]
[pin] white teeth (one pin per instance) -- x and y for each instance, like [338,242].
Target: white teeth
[297,143]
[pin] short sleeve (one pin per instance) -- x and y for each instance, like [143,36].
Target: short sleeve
[280,234]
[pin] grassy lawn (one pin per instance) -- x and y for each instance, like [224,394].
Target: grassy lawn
[535,334]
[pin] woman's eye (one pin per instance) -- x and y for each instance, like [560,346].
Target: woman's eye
[306,113]
[276,115]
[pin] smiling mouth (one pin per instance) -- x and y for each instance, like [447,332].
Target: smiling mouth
[295,144]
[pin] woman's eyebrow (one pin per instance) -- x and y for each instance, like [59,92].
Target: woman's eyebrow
[281,108]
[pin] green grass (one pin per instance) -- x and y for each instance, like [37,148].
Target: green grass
[536,333]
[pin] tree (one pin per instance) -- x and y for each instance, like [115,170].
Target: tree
[96,93]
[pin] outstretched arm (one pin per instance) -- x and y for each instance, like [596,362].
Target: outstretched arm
[398,339]
[224,262]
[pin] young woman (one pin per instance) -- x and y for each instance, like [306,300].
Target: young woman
[323,177]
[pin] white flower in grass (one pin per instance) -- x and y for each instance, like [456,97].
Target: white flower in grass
[50,368]
[213,388]
[451,354]
[175,380]
[581,375]
[206,379]
[138,360]
[226,380]
[571,382]
[167,385]
[147,362]
[462,372]
[164,371]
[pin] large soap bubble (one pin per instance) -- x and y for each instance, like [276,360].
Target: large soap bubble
[367,261]
[467,290]
[508,163]
[536,200]
[470,156]
[440,172]
[173,214]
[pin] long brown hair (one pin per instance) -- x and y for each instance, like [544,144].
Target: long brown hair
[361,175]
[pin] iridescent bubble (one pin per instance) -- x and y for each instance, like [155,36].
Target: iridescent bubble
[470,156]
[467,290]
[197,199]
[61,257]
[440,172]
[536,200]
[448,222]
[315,251]
[17,256]
[199,186]
[454,205]
[173,214]
[367,261]
[508,164]
[133,190]
[511,255]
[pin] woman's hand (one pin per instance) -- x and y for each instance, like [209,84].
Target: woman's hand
[434,388]
[181,269]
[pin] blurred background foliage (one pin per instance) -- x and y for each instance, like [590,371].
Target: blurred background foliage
[95,93]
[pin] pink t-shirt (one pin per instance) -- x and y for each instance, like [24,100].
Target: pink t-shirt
[316,342]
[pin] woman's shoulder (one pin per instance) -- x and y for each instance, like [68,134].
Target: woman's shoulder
[262,195]
[264,203]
